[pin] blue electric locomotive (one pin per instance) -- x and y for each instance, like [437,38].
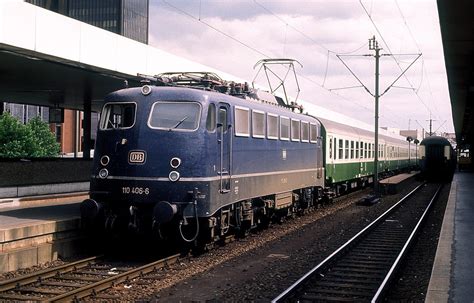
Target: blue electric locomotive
[197,161]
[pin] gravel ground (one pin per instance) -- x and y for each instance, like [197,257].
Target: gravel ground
[412,282]
[264,264]
[261,266]
[25,271]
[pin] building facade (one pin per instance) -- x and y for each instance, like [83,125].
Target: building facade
[128,18]
[24,112]
[69,133]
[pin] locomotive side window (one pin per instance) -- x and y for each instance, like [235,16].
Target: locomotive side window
[258,124]
[242,122]
[304,131]
[284,128]
[118,115]
[183,116]
[272,126]
[222,119]
[295,130]
[211,118]
[313,133]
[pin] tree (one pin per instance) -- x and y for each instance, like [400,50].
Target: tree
[44,142]
[26,141]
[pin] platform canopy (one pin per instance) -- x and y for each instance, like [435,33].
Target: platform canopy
[52,60]
[457,31]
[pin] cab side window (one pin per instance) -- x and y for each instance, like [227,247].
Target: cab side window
[211,118]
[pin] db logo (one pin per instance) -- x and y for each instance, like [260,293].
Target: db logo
[137,157]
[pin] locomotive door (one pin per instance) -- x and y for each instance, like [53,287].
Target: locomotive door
[224,140]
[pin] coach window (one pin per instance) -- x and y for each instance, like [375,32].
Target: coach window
[242,122]
[352,149]
[346,156]
[341,148]
[295,130]
[373,150]
[313,133]
[272,126]
[284,128]
[304,131]
[118,115]
[211,117]
[357,150]
[180,116]
[258,124]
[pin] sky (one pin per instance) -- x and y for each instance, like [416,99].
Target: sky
[331,41]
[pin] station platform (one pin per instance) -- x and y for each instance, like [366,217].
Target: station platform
[453,269]
[391,184]
[39,229]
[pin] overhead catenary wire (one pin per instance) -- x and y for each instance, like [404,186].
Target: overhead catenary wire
[247,45]
[396,61]
[423,69]
[329,52]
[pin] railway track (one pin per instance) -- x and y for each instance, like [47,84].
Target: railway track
[361,269]
[74,281]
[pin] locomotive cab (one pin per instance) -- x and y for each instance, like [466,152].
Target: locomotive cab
[154,153]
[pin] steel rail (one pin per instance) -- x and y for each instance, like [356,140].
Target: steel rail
[343,248]
[396,264]
[110,282]
[46,273]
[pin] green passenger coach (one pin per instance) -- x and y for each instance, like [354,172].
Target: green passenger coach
[349,153]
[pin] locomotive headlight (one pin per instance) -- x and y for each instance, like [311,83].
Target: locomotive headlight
[146,90]
[103,173]
[175,162]
[173,176]
[104,160]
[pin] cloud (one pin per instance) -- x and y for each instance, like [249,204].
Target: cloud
[233,35]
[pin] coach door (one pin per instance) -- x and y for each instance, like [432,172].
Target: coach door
[224,137]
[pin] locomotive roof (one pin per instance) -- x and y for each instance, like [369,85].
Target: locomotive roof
[435,140]
[191,93]
[211,83]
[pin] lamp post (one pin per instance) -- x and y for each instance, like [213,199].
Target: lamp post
[416,141]
[409,139]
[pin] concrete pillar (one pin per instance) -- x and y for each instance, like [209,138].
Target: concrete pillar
[86,124]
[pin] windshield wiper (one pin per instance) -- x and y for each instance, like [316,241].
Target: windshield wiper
[179,123]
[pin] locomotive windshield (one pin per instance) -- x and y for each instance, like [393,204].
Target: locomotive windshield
[118,115]
[175,115]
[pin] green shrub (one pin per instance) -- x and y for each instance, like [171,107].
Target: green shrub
[33,140]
